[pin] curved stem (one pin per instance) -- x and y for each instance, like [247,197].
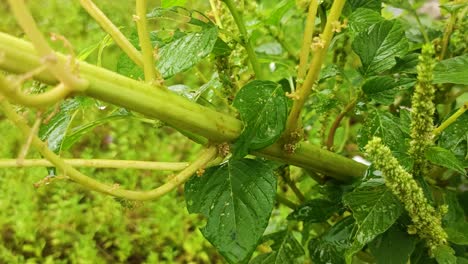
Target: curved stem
[113,31]
[98,163]
[14,93]
[304,90]
[56,65]
[336,123]
[246,41]
[90,183]
[451,119]
[149,69]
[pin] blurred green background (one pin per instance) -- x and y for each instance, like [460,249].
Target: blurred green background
[64,223]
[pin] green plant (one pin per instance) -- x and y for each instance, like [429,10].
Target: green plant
[366,79]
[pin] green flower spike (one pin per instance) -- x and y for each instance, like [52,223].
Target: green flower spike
[422,113]
[427,221]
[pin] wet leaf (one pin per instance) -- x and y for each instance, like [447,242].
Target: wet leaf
[379,45]
[384,246]
[263,109]
[330,247]
[384,88]
[286,249]
[444,158]
[362,18]
[314,211]
[453,70]
[375,210]
[444,254]
[236,198]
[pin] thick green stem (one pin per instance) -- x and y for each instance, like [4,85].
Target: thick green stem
[246,41]
[305,89]
[19,57]
[113,31]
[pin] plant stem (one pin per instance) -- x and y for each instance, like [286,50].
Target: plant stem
[90,183]
[451,119]
[98,163]
[306,41]
[105,85]
[285,201]
[304,90]
[113,31]
[336,123]
[246,41]
[446,38]
[215,10]
[57,66]
[151,75]
[421,27]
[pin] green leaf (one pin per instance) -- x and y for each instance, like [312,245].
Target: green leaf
[445,158]
[445,255]
[384,246]
[185,52]
[328,72]
[455,138]
[221,48]
[406,64]
[278,12]
[458,234]
[388,128]
[330,247]
[286,249]
[379,45]
[237,198]
[384,88]
[370,4]
[314,211]
[361,19]
[55,130]
[177,51]
[171,3]
[263,109]
[77,132]
[453,70]
[375,209]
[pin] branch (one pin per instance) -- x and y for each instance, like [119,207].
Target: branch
[90,183]
[98,163]
[113,31]
[450,120]
[246,41]
[307,40]
[336,123]
[178,112]
[321,47]
[56,65]
[151,75]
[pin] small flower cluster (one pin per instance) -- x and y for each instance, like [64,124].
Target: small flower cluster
[427,221]
[423,109]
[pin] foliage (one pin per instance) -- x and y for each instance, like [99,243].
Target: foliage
[387,82]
